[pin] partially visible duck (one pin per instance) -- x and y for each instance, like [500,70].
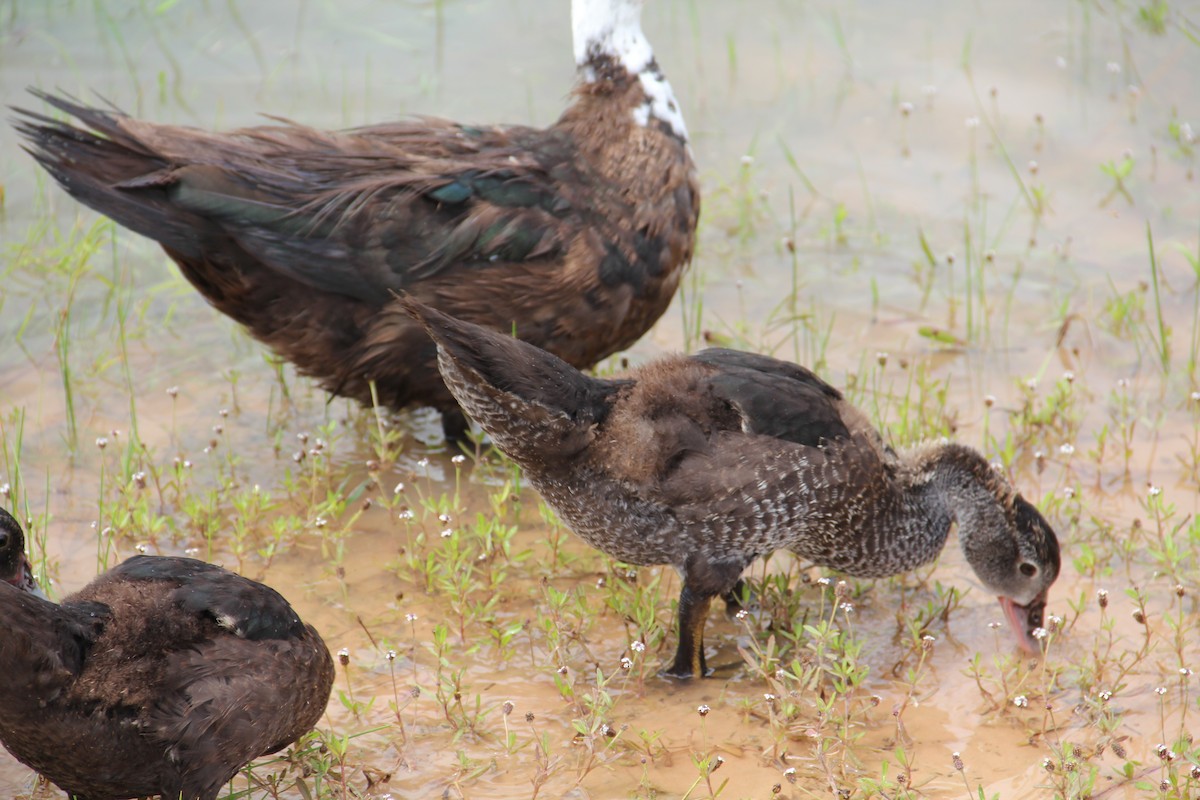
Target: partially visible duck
[710,461]
[575,236]
[162,676]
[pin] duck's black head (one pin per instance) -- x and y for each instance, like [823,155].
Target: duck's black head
[14,566]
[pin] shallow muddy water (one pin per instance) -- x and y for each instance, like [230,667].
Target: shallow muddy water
[960,196]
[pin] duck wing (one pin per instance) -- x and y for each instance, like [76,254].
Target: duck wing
[776,398]
[360,213]
[256,682]
[245,608]
[230,700]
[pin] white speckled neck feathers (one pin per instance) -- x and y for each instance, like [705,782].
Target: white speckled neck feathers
[611,31]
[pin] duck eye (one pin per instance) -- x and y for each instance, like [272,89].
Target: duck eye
[1027,569]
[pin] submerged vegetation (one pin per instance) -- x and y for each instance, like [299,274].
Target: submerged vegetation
[983,223]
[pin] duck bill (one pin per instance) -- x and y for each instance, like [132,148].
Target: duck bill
[1025,620]
[24,580]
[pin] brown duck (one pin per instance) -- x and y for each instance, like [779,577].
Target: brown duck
[710,461]
[574,237]
[162,676]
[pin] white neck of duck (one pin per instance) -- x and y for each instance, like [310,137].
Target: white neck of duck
[613,28]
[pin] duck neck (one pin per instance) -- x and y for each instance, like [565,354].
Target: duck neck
[972,493]
[906,525]
[613,55]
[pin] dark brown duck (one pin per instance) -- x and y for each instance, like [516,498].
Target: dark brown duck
[164,676]
[710,461]
[574,237]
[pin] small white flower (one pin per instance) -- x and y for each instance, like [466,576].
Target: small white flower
[638,646]
[1021,701]
[447,533]
[458,459]
[972,122]
[410,617]
[626,663]
[1066,449]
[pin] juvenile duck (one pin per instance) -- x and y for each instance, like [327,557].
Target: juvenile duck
[574,237]
[162,676]
[710,461]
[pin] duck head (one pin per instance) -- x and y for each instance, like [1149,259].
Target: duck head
[14,566]
[610,28]
[609,44]
[1015,554]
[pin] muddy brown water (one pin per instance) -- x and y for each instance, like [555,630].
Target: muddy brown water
[849,133]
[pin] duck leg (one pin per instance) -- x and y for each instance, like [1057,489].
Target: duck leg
[689,656]
[703,579]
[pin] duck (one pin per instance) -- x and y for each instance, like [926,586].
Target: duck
[162,676]
[574,236]
[707,462]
